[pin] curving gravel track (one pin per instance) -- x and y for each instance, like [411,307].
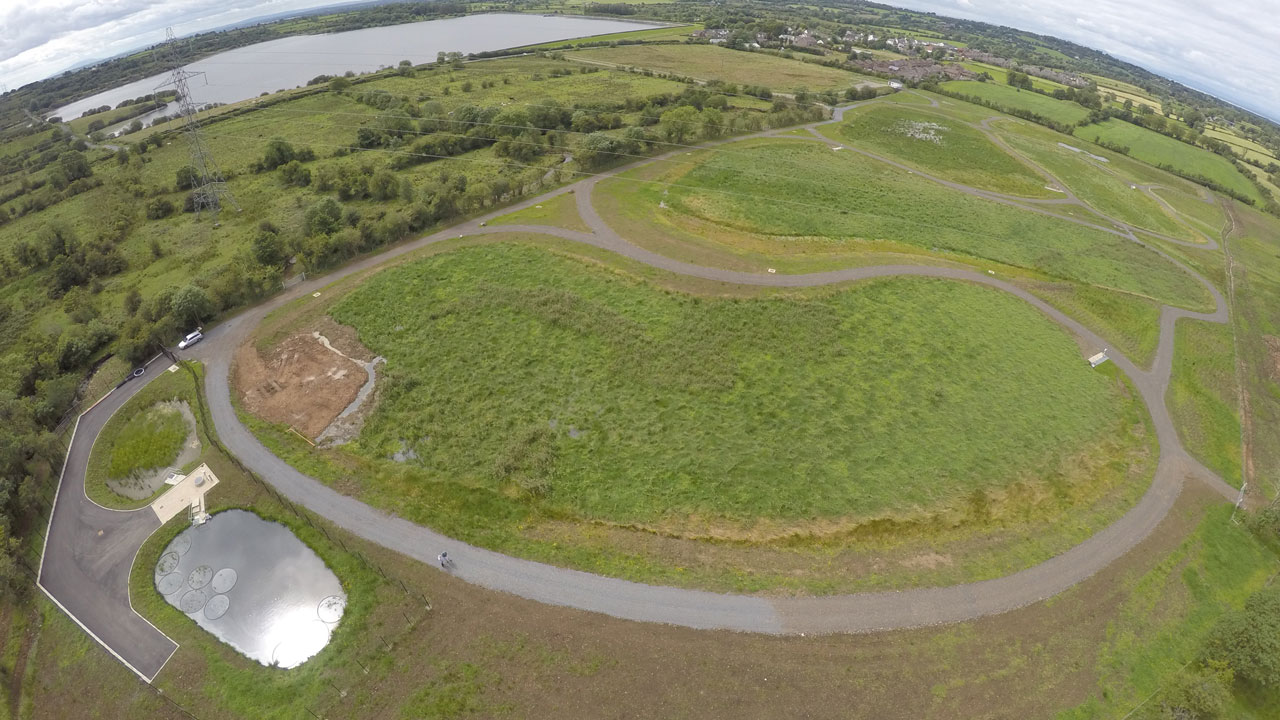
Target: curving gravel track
[860,612]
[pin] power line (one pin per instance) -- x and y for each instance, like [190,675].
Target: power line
[210,189]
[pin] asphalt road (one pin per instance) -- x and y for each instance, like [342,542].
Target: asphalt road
[87,572]
[90,550]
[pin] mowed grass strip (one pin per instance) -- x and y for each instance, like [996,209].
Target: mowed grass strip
[708,62]
[1156,149]
[532,375]
[1060,111]
[939,145]
[758,186]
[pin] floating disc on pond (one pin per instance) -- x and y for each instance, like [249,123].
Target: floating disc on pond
[331,608]
[193,602]
[217,606]
[200,577]
[169,584]
[167,564]
[224,580]
[181,544]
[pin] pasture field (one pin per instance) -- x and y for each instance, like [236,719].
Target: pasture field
[1094,182]
[863,198]
[1060,111]
[1252,150]
[669,425]
[939,145]
[1000,74]
[138,437]
[1156,149]
[1203,398]
[709,62]
[1264,179]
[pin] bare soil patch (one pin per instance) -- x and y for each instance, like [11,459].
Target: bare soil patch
[299,381]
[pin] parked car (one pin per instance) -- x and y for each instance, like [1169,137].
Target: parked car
[192,338]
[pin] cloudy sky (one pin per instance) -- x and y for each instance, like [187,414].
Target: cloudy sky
[1228,49]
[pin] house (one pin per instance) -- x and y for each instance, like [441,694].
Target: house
[805,40]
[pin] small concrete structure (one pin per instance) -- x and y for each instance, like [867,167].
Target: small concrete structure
[1098,359]
[187,493]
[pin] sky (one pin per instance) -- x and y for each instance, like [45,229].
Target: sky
[1228,49]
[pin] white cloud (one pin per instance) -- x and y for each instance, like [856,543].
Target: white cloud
[1225,49]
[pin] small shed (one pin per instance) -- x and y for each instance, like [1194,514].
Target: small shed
[1098,359]
[895,85]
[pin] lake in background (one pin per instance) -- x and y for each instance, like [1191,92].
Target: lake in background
[249,71]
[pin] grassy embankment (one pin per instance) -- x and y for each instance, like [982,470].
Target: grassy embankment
[1059,111]
[708,62]
[1105,188]
[140,436]
[861,199]
[671,390]
[937,144]
[1156,149]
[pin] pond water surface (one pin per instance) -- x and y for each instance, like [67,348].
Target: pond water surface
[254,585]
[288,62]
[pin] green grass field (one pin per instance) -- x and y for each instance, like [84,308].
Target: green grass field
[1202,397]
[1207,217]
[1156,149]
[733,66]
[999,75]
[1093,182]
[1168,611]
[140,436]
[938,145]
[547,378]
[1061,111]
[1131,324]
[149,440]
[766,187]
[559,211]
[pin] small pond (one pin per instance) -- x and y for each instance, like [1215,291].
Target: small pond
[254,585]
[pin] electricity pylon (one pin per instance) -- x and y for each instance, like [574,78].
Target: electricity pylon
[210,191]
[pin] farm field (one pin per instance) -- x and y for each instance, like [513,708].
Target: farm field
[867,199]
[999,74]
[1059,111]
[1156,149]
[731,66]
[1252,151]
[939,145]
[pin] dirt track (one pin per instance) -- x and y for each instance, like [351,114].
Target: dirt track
[300,382]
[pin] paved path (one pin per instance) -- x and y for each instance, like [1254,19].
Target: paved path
[87,573]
